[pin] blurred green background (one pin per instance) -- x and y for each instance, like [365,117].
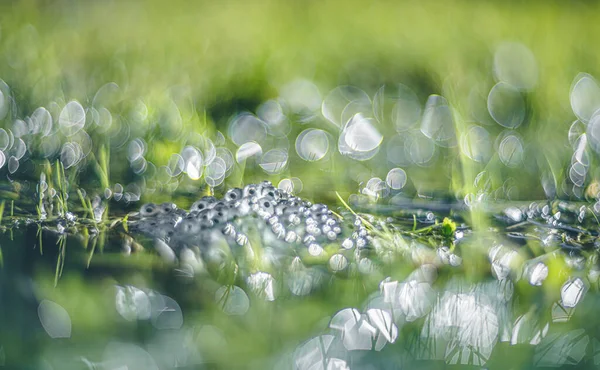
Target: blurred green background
[216,59]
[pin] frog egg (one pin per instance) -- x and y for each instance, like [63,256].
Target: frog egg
[331,235]
[337,230]
[202,215]
[167,208]
[218,217]
[267,191]
[330,222]
[202,204]
[267,206]
[325,229]
[249,191]
[233,195]
[149,210]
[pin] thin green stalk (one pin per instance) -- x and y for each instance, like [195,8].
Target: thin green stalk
[354,213]
[84,204]
[102,240]
[2,210]
[94,242]
[62,187]
[60,261]
[39,235]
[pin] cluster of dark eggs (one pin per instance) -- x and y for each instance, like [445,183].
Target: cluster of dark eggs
[279,217]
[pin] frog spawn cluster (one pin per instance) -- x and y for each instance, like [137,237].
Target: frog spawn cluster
[281,218]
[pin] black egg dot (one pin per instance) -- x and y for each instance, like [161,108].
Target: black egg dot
[267,204]
[215,220]
[149,209]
